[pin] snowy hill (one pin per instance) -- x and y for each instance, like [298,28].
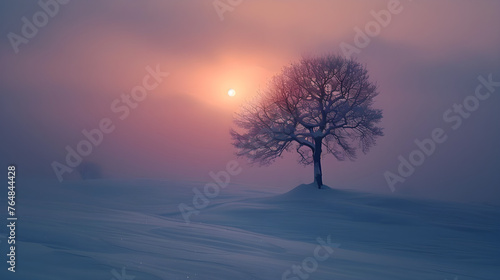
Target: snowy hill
[110,229]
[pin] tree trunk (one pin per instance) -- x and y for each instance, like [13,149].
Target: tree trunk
[318,174]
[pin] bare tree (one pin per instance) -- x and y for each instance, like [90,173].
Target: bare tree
[317,104]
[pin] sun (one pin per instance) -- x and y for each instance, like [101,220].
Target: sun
[231,92]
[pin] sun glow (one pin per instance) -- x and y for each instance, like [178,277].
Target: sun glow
[231,92]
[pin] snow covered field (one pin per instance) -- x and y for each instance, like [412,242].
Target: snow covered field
[117,229]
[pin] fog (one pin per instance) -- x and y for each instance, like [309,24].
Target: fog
[66,77]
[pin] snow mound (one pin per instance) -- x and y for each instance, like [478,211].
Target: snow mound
[98,228]
[310,191]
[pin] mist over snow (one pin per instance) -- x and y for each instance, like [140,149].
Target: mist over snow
[88,229]
[121,122]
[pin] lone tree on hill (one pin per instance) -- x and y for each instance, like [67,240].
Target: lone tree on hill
[317,104]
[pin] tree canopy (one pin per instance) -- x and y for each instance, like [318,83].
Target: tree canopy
[317,104]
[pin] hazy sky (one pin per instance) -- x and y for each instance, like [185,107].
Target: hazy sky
[66,77]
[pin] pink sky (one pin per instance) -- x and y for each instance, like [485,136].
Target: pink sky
[66,77]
